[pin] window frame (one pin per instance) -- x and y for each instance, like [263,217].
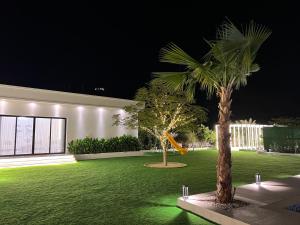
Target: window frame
[33,133]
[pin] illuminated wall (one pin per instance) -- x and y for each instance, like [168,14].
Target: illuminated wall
[82,120]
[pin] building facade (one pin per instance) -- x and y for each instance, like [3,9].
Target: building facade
[36,121]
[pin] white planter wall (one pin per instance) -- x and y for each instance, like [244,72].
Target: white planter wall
[108,155]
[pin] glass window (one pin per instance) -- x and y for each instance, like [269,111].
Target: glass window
[7,135]
[42,136]
[57,136]
[31,135]
[24,135]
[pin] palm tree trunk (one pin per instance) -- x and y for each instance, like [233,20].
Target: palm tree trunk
[224,179]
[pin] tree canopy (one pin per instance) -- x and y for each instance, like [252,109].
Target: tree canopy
[160,110]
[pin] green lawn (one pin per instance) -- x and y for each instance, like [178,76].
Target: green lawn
[121,190]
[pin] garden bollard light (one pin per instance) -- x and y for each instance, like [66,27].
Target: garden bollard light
[185,192]
[257,178]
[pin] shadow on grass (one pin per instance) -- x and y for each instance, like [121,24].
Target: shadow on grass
[157,204]
[181,218]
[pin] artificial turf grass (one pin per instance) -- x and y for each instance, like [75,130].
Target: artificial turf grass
[122,190]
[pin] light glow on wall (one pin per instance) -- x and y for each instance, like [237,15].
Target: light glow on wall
[32,107]
[80,129]
[3,105]
[100,123]
[121,129]
[57,109]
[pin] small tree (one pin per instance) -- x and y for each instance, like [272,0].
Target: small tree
[200,134]
[207,135]
[160,111]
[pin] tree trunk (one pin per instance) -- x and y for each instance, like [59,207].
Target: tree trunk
[224,179]
[165,151]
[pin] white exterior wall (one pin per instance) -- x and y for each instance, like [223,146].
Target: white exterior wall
[81,120]
[93,118]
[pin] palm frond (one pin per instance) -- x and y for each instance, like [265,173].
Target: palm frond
[255,68]
[207,79]
[175,55]
[256,35]
[228,63]
[174,81]
[228,31]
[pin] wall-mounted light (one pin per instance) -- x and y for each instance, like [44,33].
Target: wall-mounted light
[32,104]
[3,106]
[56,110]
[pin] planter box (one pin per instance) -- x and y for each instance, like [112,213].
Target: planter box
[107,155]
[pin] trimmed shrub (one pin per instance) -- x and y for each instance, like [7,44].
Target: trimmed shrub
[95,145]
[281,139]
[148,141]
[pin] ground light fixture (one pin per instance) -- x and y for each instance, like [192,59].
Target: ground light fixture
[257,178]
[185,192]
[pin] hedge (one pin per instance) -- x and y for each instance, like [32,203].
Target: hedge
[95,145]
[282,139]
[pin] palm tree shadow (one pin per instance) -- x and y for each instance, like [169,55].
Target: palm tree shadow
[156,204]
[181,218]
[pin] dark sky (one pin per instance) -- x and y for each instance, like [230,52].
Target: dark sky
[79,46]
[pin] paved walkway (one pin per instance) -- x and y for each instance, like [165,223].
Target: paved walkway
[269,204]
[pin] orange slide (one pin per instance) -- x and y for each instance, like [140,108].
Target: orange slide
[180,149]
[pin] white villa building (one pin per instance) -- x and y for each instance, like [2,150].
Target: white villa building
[35,121]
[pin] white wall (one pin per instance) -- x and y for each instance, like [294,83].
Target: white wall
[82,120]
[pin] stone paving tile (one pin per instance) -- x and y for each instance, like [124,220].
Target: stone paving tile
[268,203]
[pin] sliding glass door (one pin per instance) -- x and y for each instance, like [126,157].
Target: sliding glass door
[7,135]
[42,135]
[58,136]
[31,135]
[24,136]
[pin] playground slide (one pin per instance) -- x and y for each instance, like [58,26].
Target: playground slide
[180,149]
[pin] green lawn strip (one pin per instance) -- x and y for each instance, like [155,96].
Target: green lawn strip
[122,190]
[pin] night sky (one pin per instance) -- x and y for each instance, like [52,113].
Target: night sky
[79,46]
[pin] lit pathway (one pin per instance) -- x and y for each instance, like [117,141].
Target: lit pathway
[269,204]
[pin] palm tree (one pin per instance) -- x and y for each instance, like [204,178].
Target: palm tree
[227,65]
[249,121]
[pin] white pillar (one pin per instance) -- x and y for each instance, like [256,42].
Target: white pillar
[239,136]
[249,136]
[231,136]
[252,137]
[242,133]
[257,136]
[234,137]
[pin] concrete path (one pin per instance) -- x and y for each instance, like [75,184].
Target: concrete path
[268,204]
